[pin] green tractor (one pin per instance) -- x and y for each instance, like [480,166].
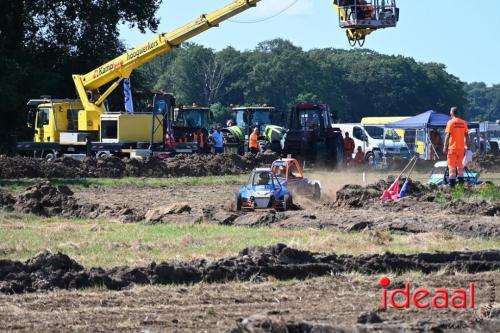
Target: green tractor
[267,119]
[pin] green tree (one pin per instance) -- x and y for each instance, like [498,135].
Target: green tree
[44,42]
[187,74]
[483,101]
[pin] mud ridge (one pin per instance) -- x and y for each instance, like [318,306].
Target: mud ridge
[114,167]
[357,196]
[47,200]
[419,197]
[485,163]
[49,271]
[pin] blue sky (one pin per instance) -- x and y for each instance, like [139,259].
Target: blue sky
[461,34]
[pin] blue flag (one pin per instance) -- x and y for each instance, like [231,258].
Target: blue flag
[127,90]
[404,190]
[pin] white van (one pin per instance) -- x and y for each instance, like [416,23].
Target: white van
[371,139]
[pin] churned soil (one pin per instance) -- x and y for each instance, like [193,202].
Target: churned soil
[485,163]
[346,301]
[114,167]
[355,208]
[47,200]
[49,271]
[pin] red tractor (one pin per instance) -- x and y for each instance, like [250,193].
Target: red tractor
[312,136]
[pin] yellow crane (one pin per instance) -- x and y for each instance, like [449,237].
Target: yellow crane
[66,126]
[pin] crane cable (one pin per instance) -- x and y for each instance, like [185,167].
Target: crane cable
[293,3]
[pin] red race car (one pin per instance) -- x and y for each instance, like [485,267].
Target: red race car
[290,175]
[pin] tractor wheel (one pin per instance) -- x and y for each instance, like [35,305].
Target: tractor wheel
[238,201]
[370,158]
[336,150]
[316,192]
[50,156]
[275,147]
[241,149]
[287,202]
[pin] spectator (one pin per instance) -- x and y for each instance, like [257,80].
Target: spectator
[349,146]
[455,145]
[218,139]
[359,159]
[253,141]
[437,144]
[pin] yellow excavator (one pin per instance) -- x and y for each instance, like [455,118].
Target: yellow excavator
[86,126]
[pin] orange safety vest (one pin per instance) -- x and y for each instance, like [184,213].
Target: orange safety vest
[349,144]
[254,141]
[360,157]
[457,129]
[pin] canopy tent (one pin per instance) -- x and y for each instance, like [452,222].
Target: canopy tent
[429,119]
[425,122]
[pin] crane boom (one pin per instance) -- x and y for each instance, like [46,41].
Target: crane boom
[122,67]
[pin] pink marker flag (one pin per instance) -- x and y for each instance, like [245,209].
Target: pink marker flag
[392,193]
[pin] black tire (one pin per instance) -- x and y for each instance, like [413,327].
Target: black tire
[335,150]
[368,156]
[316,192]
[101,155]
[287,202]
[238,201]
[275,147]
[241,149]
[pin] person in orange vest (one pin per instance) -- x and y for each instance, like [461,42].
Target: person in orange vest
[360,156]
[349,146]
[253,141]
[455,144]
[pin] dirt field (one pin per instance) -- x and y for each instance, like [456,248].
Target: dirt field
[337,292]
[214,204]
[218,307]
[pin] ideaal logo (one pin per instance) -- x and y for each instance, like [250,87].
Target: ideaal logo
[421,298]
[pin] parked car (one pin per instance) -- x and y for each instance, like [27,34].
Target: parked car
[371,139]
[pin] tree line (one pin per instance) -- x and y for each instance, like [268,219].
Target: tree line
[356,83]
[42,43]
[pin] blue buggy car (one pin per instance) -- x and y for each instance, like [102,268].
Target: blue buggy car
[263,190]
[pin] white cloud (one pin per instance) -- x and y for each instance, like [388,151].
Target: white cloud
[267,8]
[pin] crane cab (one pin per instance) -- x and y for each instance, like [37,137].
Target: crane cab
[52,119]
[361,17]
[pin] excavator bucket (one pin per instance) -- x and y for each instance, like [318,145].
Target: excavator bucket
[361,17]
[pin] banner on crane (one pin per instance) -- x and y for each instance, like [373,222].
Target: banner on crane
[127,90]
